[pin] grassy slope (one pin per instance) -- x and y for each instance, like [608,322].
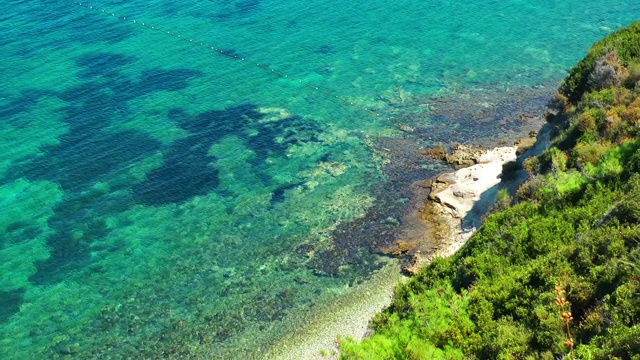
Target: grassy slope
[557,273]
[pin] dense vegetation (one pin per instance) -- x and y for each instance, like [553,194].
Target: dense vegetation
[556,272]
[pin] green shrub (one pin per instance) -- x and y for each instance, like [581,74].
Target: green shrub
[558,159]
[633,75]
[626,44]
[510,170]
[634,162]
[532,165]
[628,210]
[503,201]
[531,189]
[599,99]
[590,153]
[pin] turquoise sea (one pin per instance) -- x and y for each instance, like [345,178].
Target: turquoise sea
[192,179]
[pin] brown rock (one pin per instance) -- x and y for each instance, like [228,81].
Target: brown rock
[524,145]
[438,184]
[464,155]
[460,156]
[438,152]
[401,246]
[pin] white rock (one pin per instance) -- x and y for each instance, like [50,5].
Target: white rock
[468,184]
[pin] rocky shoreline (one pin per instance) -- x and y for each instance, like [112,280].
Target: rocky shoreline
[450,206]
[446,212]
[439,214]
[445,215]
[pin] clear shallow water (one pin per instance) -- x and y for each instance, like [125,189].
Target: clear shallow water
[160,199]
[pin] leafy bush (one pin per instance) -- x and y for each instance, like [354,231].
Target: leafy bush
[605,73]
[532,165]
[629,208]
[632,76]
[625,43]
[590,153]
[510,170]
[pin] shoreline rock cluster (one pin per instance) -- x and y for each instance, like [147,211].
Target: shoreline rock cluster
[466,194]
[450,206]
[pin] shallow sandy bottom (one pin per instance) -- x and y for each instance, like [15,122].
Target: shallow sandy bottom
[347,316]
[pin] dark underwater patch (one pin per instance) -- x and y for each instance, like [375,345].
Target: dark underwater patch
[240,9]
[69,247]
[86,28]
[187,171]
[326,50]
[166,80]
[10,302]
[265,141]
[78,224]
[88,154]
[22,104]
[102,64]
[77,164]
[81,161]
[274,138]
[278,195]
[246,7]
[216,124]
[18,232]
